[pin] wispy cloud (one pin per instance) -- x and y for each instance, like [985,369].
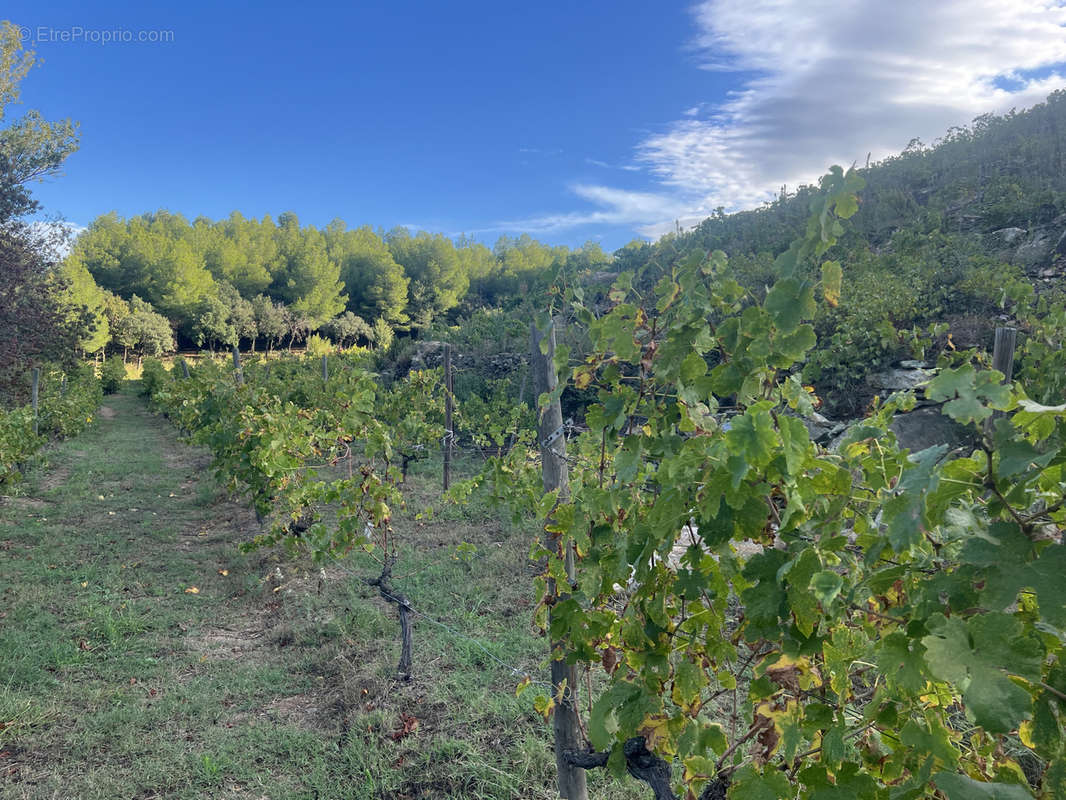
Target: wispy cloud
[595,162]
[612,207]
[829,82]
[836,81]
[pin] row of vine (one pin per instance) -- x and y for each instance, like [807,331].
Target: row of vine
[898,632]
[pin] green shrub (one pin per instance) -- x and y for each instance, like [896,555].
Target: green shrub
[112,374]
[318,346]
[67,405]
[153,375]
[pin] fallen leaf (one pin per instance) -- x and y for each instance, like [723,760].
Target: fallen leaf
[223,572]
[192,590]
[84,584]
[408,725]
[611,660]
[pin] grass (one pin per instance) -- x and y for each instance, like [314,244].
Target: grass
[141,656]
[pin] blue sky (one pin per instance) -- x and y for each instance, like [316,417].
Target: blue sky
[595,120]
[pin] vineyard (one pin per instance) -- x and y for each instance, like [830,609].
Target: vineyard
[753,615]
[728,609]
[758,494]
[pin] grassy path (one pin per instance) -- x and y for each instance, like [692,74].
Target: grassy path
[141,656]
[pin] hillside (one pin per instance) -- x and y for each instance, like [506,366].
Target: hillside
[954,232]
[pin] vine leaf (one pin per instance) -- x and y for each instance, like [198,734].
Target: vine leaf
[750,785]
[976,656]
[832,275]
[826,585]
[964,389]
[1005,552]
[1016,455]
[789,303]
[903,512]
[959,787]
[900,659]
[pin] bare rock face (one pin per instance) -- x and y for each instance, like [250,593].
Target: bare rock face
[1008,236]
[821,429]
[1034,250]
[901,379]
[926,427]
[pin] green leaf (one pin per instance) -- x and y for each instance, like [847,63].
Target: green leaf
[903,513]
[692,368]
[603,723]
[960,787]
[1054,784]
[751,435]
[794,346]
[846,205]
[976,656]
[934,741]
[832,275]
[800,578]
[833,747]
[964,390]
[628,459]
[900,660]
[1007,555]
[826,585]
[688,681]
[1016,454]
[750,785]
[789,303]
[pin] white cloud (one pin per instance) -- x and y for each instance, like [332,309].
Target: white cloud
[835,81]
[614,207]
[829,81]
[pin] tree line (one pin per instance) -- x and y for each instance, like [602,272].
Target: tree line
[156,279]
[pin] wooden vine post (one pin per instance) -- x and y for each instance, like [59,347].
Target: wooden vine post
[36,389]
[325,368]
[185,368]
[448,431]
[554,474]
[1003,352]
[237,375]
[1002,360]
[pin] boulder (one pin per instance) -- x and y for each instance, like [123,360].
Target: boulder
[898,380]
[1035,252]
[925,427]
[820,429]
